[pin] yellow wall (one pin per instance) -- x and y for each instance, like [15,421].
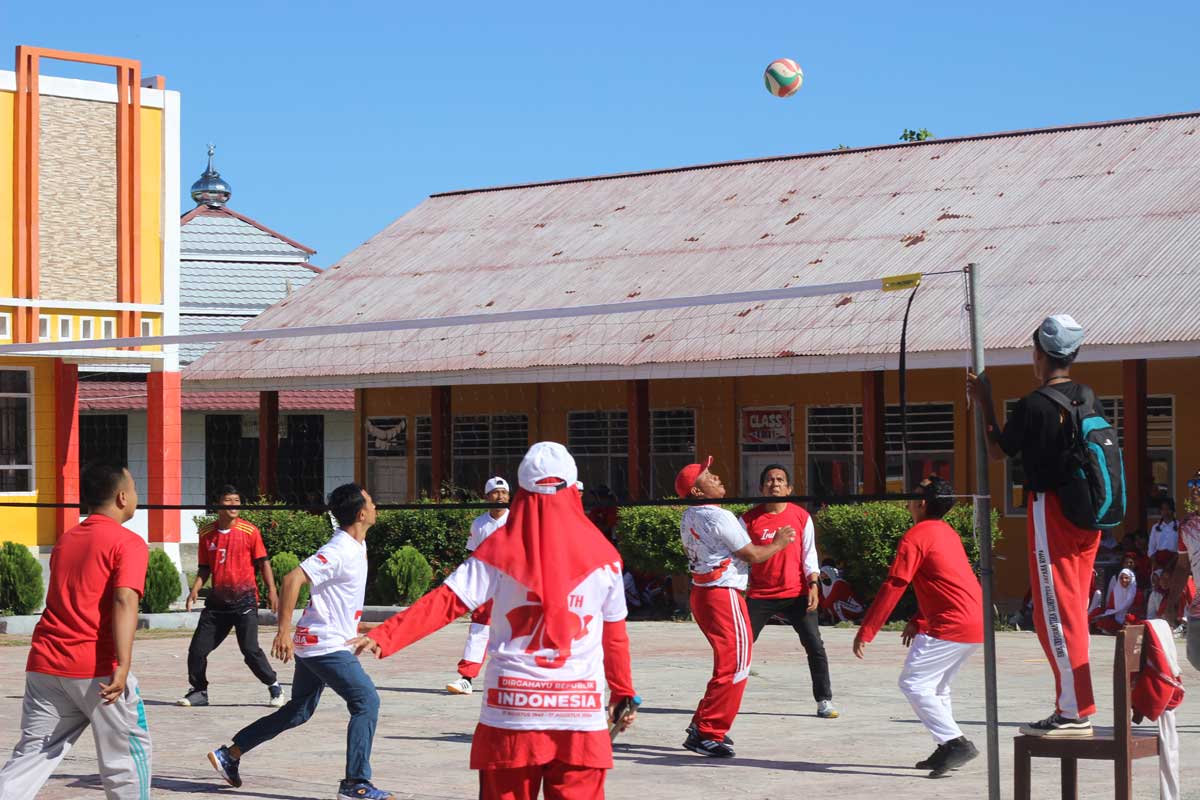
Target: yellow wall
[151,220]
[6,194]
[35,526]
[717,401]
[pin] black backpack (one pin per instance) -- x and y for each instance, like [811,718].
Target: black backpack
[1094,495]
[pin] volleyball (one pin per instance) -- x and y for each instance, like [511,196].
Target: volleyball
[783,77]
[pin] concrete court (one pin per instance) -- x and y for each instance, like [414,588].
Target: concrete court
[785,751]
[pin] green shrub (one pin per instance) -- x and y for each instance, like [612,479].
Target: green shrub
[281,565]
[648,538]
[299,532]
[862,539]
[20,580]
[162,583]
[439,535]
[404,577]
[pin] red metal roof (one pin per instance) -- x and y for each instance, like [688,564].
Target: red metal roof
[1101,221]
[122,396]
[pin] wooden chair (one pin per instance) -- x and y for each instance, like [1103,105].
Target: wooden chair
[1120,744]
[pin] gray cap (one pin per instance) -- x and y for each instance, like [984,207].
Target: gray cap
[1060,335]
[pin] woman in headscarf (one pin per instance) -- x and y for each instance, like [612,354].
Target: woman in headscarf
[1122,607]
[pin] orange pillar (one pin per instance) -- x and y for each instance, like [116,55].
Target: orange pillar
[66,445]
[268,445]
[874,449]
[164,451]
[441,432]
[1137,460]
[638,406]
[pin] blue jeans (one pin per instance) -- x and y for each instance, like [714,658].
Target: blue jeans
[341,672]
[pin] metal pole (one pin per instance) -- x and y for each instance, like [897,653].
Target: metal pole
[983,527]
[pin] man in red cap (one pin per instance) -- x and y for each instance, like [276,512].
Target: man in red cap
[557,635]
[719,554]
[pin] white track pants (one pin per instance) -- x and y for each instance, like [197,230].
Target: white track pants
[925,680]
[55,713]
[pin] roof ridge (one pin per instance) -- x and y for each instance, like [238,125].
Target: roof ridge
[206,211]
[819,153]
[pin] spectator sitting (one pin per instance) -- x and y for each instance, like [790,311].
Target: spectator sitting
[1164,536]
[1097,597]
[838,602]
[1156,606]
[1122,605]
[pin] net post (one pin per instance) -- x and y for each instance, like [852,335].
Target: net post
[983,525]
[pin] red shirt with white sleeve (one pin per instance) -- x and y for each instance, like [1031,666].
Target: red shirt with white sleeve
[949,600]
[784,574]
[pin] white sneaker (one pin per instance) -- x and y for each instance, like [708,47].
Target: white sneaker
[825,710]
[460,686]
[277,699]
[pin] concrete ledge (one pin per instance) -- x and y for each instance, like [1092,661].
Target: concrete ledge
[20,625]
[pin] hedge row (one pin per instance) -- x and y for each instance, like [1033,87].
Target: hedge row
[860,538]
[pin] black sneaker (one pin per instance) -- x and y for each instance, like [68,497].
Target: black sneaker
[194,697]
[226,766]
[932,760]
[708,747]
[362,790]
[690,730]
[1058,726]
[952,755]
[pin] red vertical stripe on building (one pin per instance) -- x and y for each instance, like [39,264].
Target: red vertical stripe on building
[874,462]
[66,445]
[164,453]
[268,445]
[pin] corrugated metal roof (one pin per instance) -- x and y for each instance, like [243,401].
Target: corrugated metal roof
[205,323]
[241,285]
[131,396]
[222,232]
[1102,221]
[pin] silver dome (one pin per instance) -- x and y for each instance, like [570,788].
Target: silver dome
[211,190]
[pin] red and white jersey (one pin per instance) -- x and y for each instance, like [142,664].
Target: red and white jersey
[483,527]
[529,686]
[338,573]
[1189,542]
[711,535]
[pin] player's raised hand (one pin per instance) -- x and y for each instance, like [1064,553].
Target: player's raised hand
[363,644]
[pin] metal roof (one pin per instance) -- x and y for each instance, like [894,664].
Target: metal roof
[222,233]
[205,323]
[245,287]
[1101,221]
[97,396]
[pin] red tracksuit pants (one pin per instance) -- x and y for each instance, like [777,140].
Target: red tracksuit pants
[722,616]
[559,781]
[1061,557]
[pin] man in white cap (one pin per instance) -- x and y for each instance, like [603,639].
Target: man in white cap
[1061,553]
[495,491]
[719,553]
[558,636]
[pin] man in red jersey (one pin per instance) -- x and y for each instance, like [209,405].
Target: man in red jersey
[78,671]
[788,583]
[947,629]
[229,551]
[557,636]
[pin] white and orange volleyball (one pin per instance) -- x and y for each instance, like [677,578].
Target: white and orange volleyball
[783,77]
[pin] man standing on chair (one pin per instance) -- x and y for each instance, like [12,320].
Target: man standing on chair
[487,523]
[1061,554]
[789,583]
[229,551]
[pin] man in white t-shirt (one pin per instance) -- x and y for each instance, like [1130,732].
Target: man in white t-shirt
[487,523]
[338,574]
[558,636]
[719,555]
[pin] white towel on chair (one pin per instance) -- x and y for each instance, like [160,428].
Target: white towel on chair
[1168,736]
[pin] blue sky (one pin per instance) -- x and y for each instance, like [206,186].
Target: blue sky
[333,119]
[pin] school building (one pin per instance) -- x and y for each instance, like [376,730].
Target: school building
[1097,220]
[89,243]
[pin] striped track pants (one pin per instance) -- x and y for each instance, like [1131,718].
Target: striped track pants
[721,614]
[55,713]
[1061,557]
